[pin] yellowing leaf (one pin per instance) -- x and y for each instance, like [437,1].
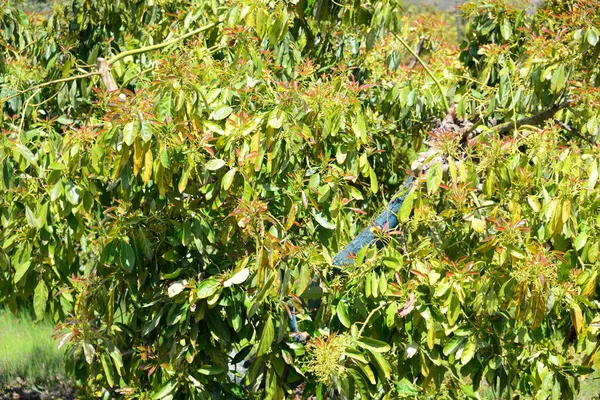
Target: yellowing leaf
[478,225]
[577,318]
[590,287]
[534,203]
[148,165]
[593,176]
[431,335]
[228,179]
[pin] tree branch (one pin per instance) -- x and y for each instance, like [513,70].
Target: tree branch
[416,56]
[575,132]
[159,45]
[534,120]
[419,49]
[41,85]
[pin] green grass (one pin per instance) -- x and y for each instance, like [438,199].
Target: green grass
[28,351]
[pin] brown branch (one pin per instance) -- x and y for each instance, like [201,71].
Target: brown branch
[534,120]
[574,131]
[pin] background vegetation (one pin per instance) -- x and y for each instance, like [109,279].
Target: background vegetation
[171,222]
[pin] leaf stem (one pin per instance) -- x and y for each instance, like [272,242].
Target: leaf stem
[362,328]
[416,56]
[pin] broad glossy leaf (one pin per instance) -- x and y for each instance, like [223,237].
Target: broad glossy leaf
[89,352]
[266,339]
[342,313]
[40,300]
[214,164]
[207,288]
[373,344]
[221,112]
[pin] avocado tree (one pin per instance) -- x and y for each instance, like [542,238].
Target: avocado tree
[176,208]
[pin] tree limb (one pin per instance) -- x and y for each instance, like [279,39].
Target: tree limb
[536,119]
[575,132]
[159,45]
[419,49]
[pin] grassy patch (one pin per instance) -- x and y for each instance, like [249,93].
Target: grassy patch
[27,351]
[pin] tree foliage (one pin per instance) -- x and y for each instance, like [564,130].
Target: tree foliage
[173,227]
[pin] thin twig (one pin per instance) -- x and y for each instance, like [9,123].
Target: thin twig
[41,85]
[415,55]
[362,328]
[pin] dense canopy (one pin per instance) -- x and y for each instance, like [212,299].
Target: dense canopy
[177,177]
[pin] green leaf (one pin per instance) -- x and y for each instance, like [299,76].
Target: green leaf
[406,388]
[268,334]
[382,364]
[468,352]
[115,354]
[149,327]
[434,178]
[207,288]
[276,118]
[368,373]
[506,29]
[171,256]
[21,269]
[130,133]
[580,240]
[108,370]
[407,206]
[592,36]
[72,193]
[373,344]
[558,78]
[165,390]
[322,220]
[210,370]
[228,179]
[454,345]
[164,158]
[40,300]
[127,256]
[221,112]
[214,164]
[303,279]
[30,216]
[342,313]
[27,154]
